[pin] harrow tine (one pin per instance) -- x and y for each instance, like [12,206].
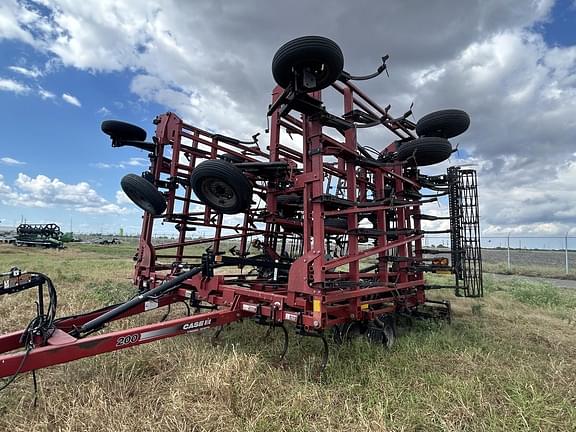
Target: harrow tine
[285,341]
[325,354]
[165,316]
[216,335]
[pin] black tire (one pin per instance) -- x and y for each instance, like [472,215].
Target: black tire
[445,123]
[425,151]
[321,55]
[123,131]
[221,186]
[143,193]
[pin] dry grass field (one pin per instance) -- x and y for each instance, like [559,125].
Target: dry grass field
[508,362]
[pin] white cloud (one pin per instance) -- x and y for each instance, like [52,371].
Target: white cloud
[103,209]
[72,100]
[45,94]
[5,191]
[13,86]
[103,111]
[131,162]
[11,161]
[43,192]
[12,16]
[521,96]
[21,88]
[30,73]
[122,198]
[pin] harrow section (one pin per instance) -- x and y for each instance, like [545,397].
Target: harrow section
[312,229]
[465,232]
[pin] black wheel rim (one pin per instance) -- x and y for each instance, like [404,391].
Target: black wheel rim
[219,193]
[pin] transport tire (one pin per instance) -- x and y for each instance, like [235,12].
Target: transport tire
[221,186]
[445,123]
[318,54]
[143,193]
[425,151]
[123,131]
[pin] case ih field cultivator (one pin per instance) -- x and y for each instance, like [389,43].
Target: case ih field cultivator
[321,235]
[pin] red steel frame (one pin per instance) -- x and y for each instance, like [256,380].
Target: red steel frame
[305,294]
[324,287]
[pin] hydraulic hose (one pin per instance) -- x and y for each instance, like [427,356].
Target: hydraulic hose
[163,288]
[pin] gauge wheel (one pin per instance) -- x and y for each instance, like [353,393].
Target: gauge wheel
[445,123]
[425,151]
[143,193]
[123,131]
[320,57]
[221,186]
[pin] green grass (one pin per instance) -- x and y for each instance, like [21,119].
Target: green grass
[506,363]
[110,292]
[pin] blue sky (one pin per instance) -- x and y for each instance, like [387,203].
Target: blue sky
[559,30]
[65,66]
[56,138]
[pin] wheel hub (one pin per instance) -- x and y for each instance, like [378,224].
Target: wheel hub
[218,191]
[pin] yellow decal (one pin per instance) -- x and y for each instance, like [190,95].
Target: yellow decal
[316,305]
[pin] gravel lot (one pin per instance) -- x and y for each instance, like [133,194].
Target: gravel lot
[528,257]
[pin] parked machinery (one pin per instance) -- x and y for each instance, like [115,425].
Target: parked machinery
[323,233]
[44,235]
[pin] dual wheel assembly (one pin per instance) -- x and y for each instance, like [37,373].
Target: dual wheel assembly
[217,183]
[432,145]
[312,63]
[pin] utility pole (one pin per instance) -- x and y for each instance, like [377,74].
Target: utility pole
[566,250]
[508,249]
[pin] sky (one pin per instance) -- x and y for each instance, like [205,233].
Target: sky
[66,65]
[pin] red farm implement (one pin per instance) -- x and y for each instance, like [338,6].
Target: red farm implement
[314,234]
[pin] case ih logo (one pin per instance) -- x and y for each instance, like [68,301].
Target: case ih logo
[197,325]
